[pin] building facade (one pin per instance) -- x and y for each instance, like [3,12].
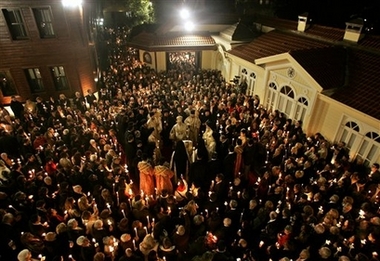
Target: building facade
[323,77]
[46,49]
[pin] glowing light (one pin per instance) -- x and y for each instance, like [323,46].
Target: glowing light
[189,26]
[71,3]
[184,13]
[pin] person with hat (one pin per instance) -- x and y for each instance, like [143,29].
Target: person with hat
[194,125]
[179,130]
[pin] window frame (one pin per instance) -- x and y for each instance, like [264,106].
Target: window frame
[36,85]
[59,82]
[38,14]
[272,94]
[286,100]
[301,108]
[21,23]
[369,147]
[6,74]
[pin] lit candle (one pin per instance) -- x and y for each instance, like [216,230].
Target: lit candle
[135,231]
[117,198]
[122,211]
[147,219]
[146,230]
[10,206]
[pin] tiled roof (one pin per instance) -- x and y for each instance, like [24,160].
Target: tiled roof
[280,24]
[152,41]
[273,43]
[351,69]
[363,90]
[184,40]
[327,33]
[325,65]
[371,41]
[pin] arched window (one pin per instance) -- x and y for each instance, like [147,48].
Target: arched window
[251,84]
[301,109]
[370,147]
[286,101]
[350,133]
[272,95]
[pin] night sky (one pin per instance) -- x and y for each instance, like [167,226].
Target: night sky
[332,13]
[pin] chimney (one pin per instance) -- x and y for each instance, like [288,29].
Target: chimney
[354,30]
[303,22]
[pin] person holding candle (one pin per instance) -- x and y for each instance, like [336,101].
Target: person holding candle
[167,249]
[147,245]
[238,149]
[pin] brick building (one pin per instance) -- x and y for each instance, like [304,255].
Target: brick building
[46,49]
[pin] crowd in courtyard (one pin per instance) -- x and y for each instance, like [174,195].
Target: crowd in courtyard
[176,165]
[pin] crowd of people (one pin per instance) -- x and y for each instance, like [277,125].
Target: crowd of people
[176,165]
